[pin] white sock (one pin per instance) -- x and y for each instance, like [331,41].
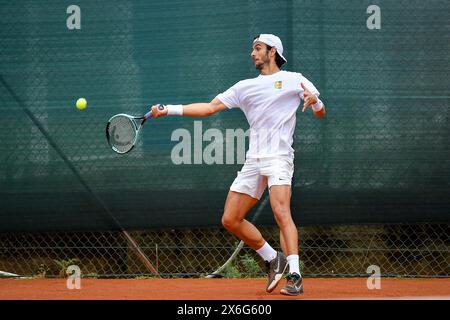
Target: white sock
[294,263]
[267,252]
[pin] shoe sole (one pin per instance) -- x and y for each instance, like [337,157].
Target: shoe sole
[287,293]
[275,281]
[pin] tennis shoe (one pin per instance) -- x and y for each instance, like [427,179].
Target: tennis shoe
[275,270]
[294,285]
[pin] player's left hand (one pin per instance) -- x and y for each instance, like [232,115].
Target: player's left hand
[309,99]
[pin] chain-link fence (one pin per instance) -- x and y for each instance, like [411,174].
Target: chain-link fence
[421,250]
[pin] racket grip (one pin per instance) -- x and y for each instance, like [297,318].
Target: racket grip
[148,115]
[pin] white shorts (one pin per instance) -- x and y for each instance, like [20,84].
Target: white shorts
[257,174]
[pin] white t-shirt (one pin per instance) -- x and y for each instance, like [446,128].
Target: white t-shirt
[269,103]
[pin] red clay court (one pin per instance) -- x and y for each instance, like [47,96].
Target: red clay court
[220,289]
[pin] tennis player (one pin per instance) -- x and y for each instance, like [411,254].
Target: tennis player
[269,102]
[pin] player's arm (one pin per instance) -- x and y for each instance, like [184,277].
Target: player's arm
[190,110]
[311,101]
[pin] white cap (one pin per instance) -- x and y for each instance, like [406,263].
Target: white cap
[273,41]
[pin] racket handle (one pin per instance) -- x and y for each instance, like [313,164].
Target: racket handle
[148,115]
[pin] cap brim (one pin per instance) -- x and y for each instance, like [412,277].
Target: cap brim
[284,59]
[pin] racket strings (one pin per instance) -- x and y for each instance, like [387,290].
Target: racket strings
[122,133]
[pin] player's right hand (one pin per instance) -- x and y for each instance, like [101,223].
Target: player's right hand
[159,110]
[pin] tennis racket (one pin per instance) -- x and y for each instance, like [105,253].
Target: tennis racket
[122,130]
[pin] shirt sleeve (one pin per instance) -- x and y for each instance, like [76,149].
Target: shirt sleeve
[309,85]
[230,98]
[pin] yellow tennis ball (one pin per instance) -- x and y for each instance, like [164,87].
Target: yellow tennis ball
[81,103]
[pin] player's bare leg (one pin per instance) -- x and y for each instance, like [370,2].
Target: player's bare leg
[283,244]
[237,206]
[280,200]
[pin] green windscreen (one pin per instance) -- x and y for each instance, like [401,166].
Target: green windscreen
[381,155]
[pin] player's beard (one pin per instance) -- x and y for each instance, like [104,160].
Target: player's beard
[262,62]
